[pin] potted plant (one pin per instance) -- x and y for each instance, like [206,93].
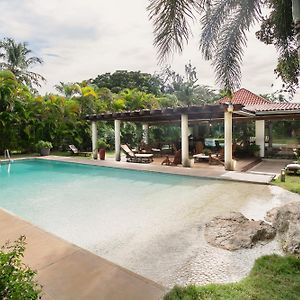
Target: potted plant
[43,147]
[254,150]
[102,145]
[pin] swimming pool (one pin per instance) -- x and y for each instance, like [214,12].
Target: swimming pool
[148,222]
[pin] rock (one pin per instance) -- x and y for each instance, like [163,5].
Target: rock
[234,231]
[286,220]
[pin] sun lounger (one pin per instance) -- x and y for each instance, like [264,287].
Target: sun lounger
[136,157]
[75,151]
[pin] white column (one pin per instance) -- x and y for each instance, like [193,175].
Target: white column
[260,136]
[94,140]
[185,140]
[229,163]
[145,133]
[117,140]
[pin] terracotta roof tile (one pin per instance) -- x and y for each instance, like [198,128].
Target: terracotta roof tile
[273,107]
[246,98]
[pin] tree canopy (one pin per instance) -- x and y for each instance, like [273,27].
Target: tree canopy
[224,33]
[15,57]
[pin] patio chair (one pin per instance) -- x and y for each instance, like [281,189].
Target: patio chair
[217,158]
[176,161]
[75,151]
[136,157]
[199,147]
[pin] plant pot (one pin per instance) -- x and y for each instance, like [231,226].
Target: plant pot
[45,151]
[101,154]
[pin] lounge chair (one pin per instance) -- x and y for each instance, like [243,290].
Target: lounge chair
[136,157]
[75,151]
[176,161]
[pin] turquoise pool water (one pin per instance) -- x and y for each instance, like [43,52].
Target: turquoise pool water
[151,223]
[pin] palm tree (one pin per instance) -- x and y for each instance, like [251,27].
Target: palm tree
[15,58]
[225,24]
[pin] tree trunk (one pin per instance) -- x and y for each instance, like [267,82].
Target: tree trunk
[296,17]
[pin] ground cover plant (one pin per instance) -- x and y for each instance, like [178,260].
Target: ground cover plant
[17,281]
[292,183]
[272,277]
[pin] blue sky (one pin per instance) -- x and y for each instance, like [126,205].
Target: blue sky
[79,39]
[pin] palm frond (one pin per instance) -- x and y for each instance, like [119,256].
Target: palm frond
[212,21]
[171,23]
[231,40]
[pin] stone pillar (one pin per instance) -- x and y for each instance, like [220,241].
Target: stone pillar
[185,140]
[117,140]
[145,133]
[260,136]
[94,140]
[229,163]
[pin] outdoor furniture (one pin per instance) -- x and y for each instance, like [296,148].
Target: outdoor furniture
[292,168]
[75,151]
[145,148]
[136,157]
[199,147]
[217,158]
[202,157]
[176,161]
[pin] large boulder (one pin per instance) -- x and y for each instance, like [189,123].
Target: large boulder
[234,231]
[286,220]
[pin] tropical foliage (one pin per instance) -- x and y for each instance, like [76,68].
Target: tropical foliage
[17,281]
[224,33]
[27,118]
[123,79]
[14,57]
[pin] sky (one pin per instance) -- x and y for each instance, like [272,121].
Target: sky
[79,39]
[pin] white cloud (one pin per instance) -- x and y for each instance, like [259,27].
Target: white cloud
[80,39]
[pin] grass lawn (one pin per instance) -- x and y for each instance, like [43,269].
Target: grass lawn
[292,183]
[271,278]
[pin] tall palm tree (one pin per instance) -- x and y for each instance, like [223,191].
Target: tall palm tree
[225,24]
[15,58]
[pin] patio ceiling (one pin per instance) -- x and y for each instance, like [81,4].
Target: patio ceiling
[171,115]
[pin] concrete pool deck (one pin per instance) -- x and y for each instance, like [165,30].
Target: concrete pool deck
[198,170]
[69,272]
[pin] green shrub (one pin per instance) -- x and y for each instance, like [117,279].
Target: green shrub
[17,280]
[43,145]
[101,144]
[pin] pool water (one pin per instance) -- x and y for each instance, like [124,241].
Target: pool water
[151,223]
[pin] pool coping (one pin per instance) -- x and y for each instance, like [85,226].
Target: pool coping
[234,176]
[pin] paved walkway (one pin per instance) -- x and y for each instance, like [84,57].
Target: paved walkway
[270,166]
[68,272]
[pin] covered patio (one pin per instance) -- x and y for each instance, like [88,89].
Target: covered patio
[226,112]
[182,115]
